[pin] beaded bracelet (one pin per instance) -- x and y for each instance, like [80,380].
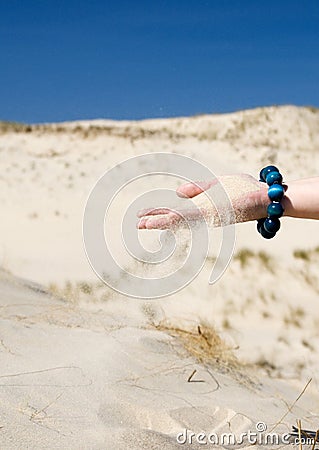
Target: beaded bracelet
[269,226]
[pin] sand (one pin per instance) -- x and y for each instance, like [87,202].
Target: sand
[84,367]
[77,379]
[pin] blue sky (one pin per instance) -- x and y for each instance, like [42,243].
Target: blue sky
[65,60]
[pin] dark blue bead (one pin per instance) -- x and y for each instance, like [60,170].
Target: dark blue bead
[275,210]
[273,177]
[276,192]
[266,233]
[266,170]
[260,224]
[272,225]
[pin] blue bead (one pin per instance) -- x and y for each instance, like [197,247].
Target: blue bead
[266,170]
[266,233]
[273,177]
[272,225]
[276,192]
[275,210]
[260,224]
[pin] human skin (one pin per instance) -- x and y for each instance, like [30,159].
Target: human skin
[248,201]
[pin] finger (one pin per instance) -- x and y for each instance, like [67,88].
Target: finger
[153,211]
[158,222]
[190,190]
[171,220]
[141,224]
[164,222]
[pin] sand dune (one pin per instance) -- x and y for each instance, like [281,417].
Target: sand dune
[84,367]
[77,379]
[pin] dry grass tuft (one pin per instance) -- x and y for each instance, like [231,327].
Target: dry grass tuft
[312,109]
[309,259]
[302,254]
[14,127]
[306,254]
[294,317]
[266,260]
[266,365]
[206,346]
[244,256]
[75,292]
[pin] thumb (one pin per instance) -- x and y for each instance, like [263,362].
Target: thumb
[190,190]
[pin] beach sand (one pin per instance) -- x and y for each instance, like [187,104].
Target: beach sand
[85,367]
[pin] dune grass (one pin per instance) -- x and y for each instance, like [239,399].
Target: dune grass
[203,343]
[246,256]
[14,127]
[73,292]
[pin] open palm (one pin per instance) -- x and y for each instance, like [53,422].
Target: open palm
[248,201]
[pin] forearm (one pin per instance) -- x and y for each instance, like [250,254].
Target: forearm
[302,198]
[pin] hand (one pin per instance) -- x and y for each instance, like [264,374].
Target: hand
[248,201]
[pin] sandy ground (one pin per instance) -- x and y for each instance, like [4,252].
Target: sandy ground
[84,367]
[72,378]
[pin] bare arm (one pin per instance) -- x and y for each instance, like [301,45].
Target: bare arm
[248,199]
[302,199]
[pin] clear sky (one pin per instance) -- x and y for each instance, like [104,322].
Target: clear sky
[74,59]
